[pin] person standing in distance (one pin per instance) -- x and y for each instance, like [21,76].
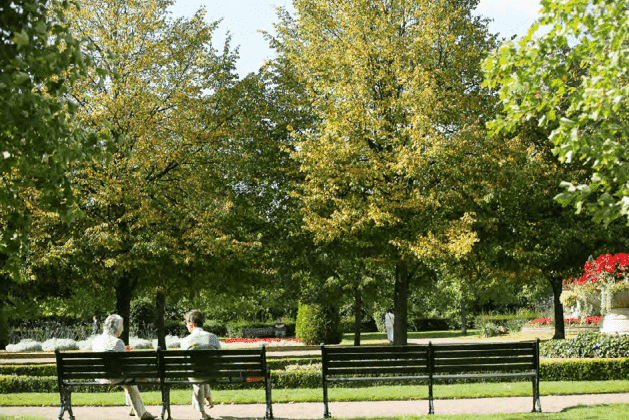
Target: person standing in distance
[199,339]
[389,321]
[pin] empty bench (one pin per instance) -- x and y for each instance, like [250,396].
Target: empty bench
[449,362]
[371,363]
[163,368]
[432,363]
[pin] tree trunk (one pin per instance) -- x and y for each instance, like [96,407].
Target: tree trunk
[123,305]
[560,330]
[463,317]
[160,307]
[400,304]
[358,314]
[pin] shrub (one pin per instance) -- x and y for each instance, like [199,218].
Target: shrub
[584,369]
[26,345]
[587,345]
[488,328]
[318,324]
[172,342]
[62,344]
[29,370]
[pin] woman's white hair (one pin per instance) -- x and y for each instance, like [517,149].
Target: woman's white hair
[113,325]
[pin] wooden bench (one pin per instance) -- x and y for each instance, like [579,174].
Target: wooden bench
[102,369]
[183,367]
[163,368]
[485,361]
[433,363]
[371,363]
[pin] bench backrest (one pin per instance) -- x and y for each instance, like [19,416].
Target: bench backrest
[234,365]
[462,358]
[368,361]
[75,368]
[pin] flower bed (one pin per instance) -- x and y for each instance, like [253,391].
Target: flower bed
[570,322]
[256,342]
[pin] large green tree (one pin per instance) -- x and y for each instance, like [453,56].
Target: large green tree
[155,215]
[588,120]
[390,166]
[39,61]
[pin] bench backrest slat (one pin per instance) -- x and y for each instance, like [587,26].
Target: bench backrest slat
[381,371]
[375,361]
[93,366]
[212,365]
[484,346]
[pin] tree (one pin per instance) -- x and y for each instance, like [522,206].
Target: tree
[525,235]
[154,216]
[391,165]
[589,120]
[39,61]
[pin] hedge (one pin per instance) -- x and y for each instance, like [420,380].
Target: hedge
[309,376]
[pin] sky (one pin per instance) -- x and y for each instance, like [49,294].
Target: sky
[244,18]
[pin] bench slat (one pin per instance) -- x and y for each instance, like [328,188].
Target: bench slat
[381,371]
[441,354]
[486,376]
[530,345]
[378,356]
[211,360]
[375,349]
[486,362]
[380,378]
[374,363]
[472,368]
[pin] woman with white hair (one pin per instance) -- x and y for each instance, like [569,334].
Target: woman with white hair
[109,341]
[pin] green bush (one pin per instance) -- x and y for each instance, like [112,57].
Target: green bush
[587,345]
[318,324]
[29,370]
[584,369]
[501,322]
[487,328]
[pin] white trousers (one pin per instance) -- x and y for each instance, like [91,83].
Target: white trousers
[134,399]
[390,334]
[200,392]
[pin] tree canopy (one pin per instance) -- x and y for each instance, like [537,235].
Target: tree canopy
[154,215]
[39,61]
[589,119]
[397,88]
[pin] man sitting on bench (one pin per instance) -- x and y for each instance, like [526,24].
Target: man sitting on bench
[199,339]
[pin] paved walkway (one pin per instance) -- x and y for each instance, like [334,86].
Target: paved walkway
[338,409]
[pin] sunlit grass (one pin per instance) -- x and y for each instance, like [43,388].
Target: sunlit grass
[376,393]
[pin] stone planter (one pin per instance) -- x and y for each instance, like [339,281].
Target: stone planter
[587,304]
[616,320]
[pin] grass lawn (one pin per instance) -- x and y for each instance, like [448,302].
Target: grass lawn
[376,393]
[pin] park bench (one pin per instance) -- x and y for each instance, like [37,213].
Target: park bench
[432,363]
[163,368]
[371,363]
[451,362]
[102,369]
